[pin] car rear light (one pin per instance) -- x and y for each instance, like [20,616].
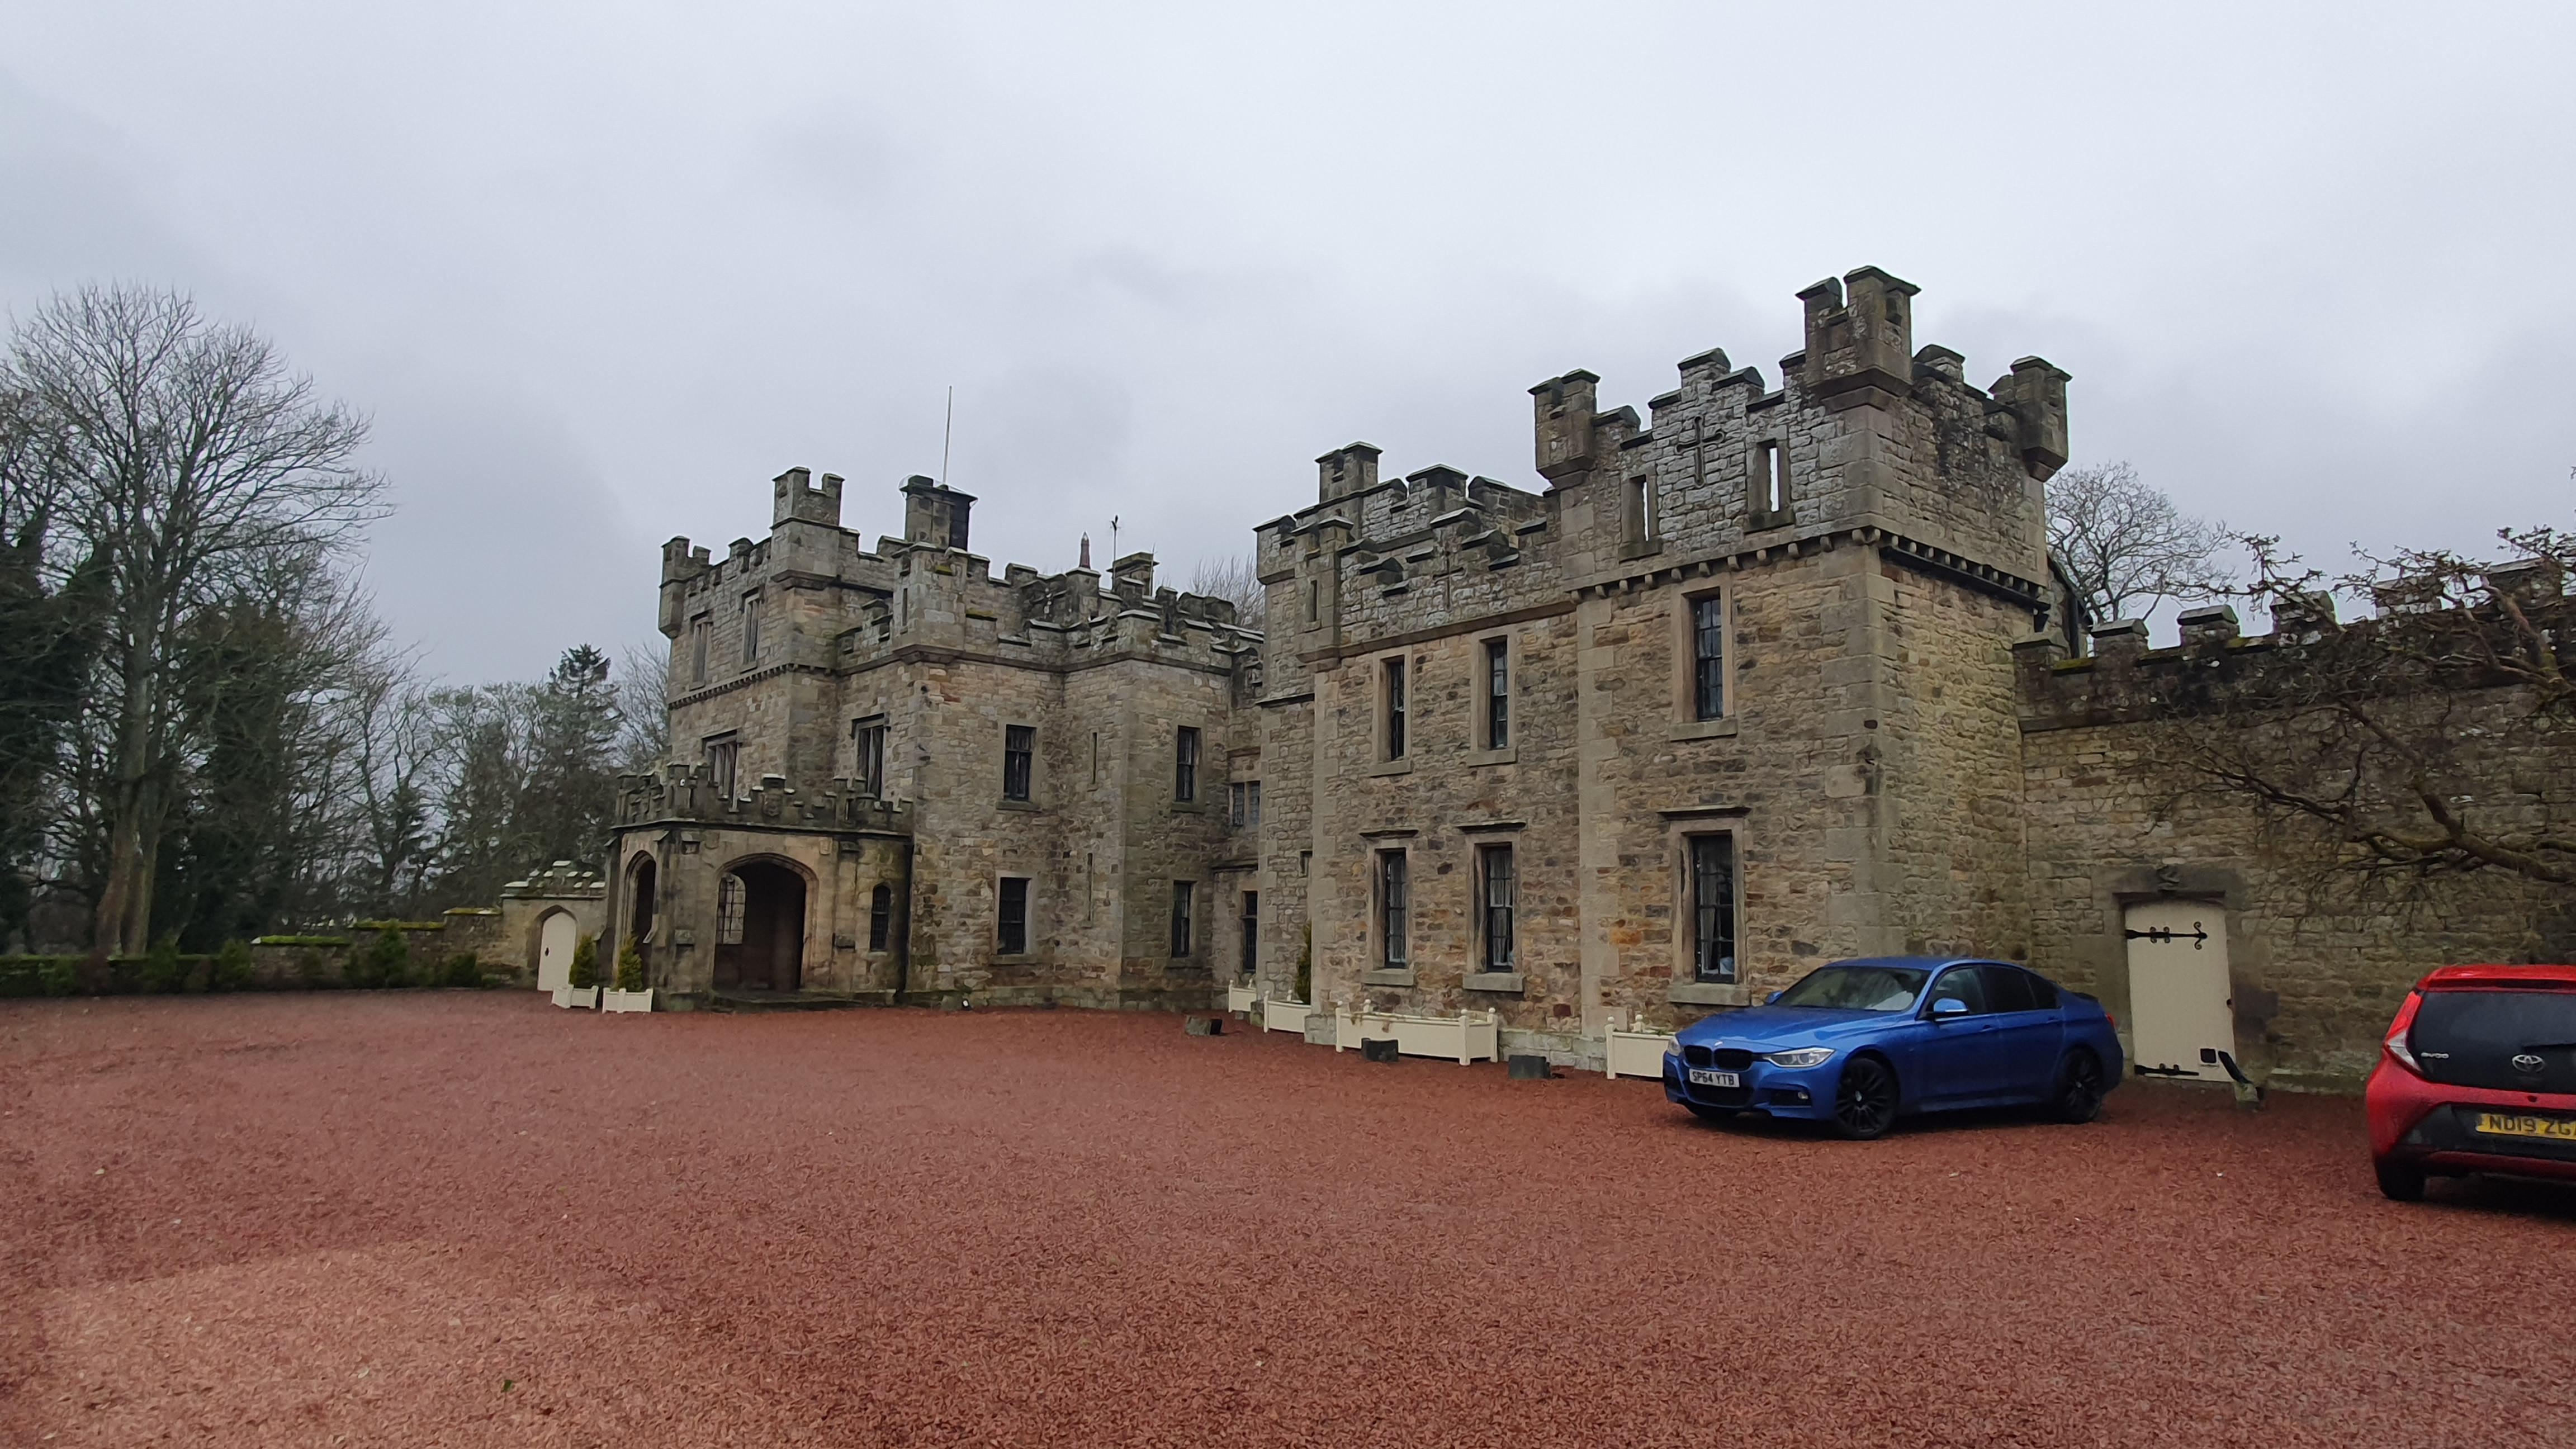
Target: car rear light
[2397,1032]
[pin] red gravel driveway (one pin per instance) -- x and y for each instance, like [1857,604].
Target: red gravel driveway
[464,1219]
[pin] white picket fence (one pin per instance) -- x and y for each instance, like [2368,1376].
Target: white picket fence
[1472,1037]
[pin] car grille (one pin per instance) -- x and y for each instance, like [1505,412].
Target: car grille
[1729,1058]
[1722,1096]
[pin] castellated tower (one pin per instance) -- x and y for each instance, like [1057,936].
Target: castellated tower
[895,776]
[1725,692]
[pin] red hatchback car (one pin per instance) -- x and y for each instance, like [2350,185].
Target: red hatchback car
[2478,1075]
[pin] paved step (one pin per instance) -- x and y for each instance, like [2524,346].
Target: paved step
[739,1000]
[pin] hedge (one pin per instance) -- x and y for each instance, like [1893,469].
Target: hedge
[229,970]
[126,975]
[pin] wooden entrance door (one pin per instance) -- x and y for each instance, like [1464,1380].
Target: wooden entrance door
[555,941]
[2180,1014]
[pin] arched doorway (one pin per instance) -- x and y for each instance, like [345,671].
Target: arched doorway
[556,937]
[760,927]
[639,899]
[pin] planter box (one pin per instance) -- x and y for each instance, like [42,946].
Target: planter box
[1277,1015]
[1240,998]
[613,999]
[1475,1036]
[1635,1053]
[585,998]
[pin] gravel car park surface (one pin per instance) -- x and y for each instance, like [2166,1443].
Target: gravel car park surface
[458,1218]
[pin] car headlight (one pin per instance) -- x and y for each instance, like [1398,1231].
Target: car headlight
[1802,1057]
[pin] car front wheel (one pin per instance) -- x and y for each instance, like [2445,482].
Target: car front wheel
[2078,1097]
[2399,1181]
[1865,1099]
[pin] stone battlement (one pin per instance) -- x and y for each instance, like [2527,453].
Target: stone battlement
[2127,679]
[836,605]
[562,880]
[1866,437]
[685,794]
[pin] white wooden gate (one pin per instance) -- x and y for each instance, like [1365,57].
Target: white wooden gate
[2180,1015]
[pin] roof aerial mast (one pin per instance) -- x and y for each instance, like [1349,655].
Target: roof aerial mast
[947,434]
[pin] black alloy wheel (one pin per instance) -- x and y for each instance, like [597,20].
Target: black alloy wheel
[1865,1099]
[2079,1088]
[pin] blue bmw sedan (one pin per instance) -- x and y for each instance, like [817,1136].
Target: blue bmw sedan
[1860,1043]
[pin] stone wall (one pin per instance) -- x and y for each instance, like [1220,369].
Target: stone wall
[2114,817]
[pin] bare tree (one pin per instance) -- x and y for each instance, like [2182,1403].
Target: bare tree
[2124,545]
[643,708]
[46,639]
[2435,739]
[403,752]
[1233,579]
[183,454]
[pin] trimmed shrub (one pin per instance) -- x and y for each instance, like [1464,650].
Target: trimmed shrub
[309,973]
[585,963]
[462,970]
[233,971]
[163,971]
[630,966]
[61,975]
[389,958]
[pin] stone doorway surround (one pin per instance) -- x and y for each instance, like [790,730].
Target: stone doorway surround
[770,955]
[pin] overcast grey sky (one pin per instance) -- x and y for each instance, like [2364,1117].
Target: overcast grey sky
[598,272]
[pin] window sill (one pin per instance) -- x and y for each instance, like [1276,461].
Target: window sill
[1019,805]
[1507,755]
[1510,982]
[1705,729]
[1393,767]
[1190,807]
[1640,548]
[1387,978]
[1708,993]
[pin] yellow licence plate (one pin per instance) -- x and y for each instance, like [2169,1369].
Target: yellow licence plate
[2507,1124]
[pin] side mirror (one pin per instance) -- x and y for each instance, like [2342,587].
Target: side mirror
[1948,1006]
[1774,996]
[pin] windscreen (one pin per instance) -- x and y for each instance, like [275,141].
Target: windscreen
[2506,1040]
[1856,988]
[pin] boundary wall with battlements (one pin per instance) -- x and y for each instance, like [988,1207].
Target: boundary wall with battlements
[2117,817]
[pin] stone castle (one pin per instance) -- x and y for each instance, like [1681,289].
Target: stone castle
[1772,675]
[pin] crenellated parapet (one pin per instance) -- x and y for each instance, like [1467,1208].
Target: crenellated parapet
[563,880]
[2127,678]
[1864,437]
[687,795]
